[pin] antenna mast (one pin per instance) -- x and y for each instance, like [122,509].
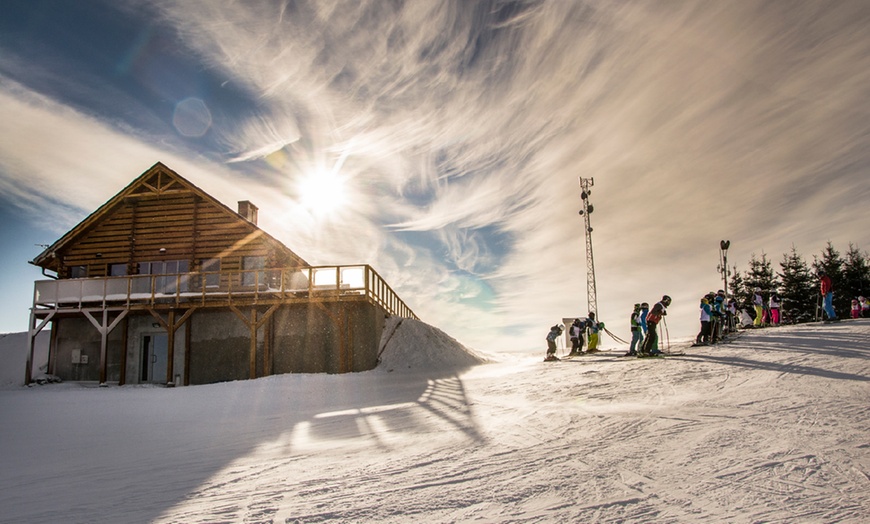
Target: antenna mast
[591,293]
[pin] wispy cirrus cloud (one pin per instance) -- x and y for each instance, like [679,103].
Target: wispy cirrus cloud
[463,128]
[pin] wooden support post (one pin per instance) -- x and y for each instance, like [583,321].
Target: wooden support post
[125,334]
[104,328]
[171,325]
[253,325]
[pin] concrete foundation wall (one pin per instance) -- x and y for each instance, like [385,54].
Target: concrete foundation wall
[313,338]
[80,337]
[220,347]
[298,338]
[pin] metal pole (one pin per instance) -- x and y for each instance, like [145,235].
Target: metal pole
[591,293]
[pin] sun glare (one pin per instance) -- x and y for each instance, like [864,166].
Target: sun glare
[322,192]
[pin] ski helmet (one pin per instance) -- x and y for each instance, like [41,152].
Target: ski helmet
[645,305]
[821,272]
[666,300]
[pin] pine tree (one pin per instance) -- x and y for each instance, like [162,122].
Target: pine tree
[832,263]
[798,288]
[856,273]
[760,276]
[737,286]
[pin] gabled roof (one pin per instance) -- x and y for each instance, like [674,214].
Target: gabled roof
[157,180]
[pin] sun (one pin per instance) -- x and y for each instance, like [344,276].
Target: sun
[322,192]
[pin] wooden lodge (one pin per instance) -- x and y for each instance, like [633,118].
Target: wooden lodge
[164,284]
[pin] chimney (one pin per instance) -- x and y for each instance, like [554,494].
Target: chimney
[248,211]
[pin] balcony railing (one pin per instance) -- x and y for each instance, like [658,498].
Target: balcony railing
[284,284]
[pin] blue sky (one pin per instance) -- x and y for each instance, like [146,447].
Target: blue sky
[454,134]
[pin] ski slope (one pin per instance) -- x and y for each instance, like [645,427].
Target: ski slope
[773,427]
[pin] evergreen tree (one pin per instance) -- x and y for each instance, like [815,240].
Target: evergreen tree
[832,263]
[737,287]
[856,273]
[760,276]
[798,288]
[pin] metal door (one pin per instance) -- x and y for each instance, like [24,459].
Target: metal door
[155,353]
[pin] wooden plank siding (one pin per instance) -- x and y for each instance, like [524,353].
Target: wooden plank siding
[161,211]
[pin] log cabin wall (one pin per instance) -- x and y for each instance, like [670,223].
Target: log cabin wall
[173,224]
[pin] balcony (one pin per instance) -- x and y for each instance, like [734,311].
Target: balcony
[220,288]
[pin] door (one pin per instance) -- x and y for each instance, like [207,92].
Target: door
[155,353]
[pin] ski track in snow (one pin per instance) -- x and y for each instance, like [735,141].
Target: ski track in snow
[772,427]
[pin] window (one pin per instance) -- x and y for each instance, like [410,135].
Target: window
[78,272]
[251,277]
[171,268]
[211,267]
[117,270]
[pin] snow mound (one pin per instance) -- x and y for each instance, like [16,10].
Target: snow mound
[13,357]
[409,344]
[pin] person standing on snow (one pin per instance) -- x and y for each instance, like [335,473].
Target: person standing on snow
[578,327]
[593,326]
[827,290]
[758,302]
[703,337]
[865,307]
[555,333]
[651,342]
[644,311]
[636,332]
[856,308]
[774,304]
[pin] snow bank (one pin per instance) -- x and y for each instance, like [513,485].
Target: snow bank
[416,346]
[13,357]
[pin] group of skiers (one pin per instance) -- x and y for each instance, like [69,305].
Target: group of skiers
[644,335]
[576,332]
[718,317]
[644,322]
[860,306]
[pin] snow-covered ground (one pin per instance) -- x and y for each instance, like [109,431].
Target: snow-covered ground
[773,427]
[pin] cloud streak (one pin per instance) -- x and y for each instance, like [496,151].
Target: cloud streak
[465,126]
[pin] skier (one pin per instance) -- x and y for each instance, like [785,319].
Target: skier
[593,326]
[578,327]
[827,290]
[774,304]
[758,302]
[650,343]
[856,308]
[731,315]
[703,337]
[644,311]
[555,333]
[865,307]
[636,332]
[717,307]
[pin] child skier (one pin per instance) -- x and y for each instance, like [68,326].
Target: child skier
[636,332]
[593,326]
[703,337]
[758,302]
[555,333]
[865,307]
[856,308]
[774,303]
[576,331]
[650,344]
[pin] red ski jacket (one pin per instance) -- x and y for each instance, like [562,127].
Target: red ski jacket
[827,285]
